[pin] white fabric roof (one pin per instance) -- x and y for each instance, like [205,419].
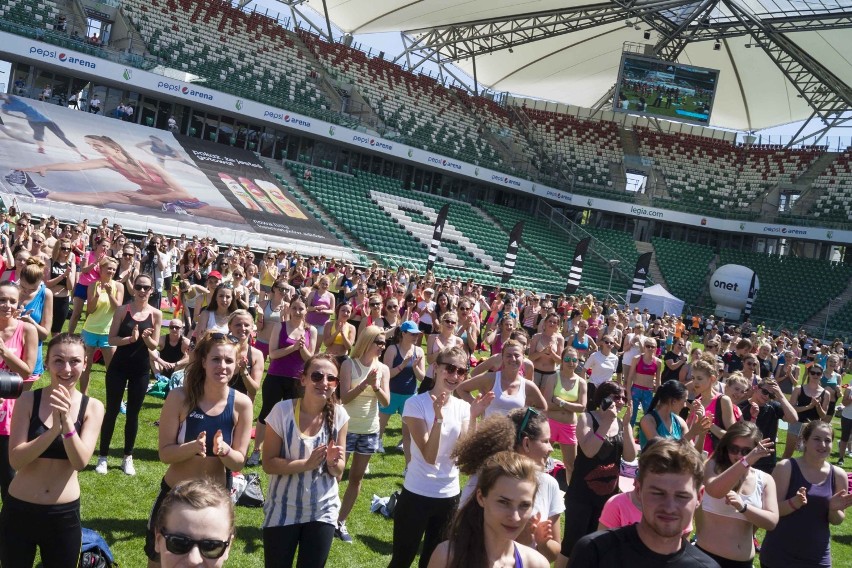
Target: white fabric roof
[578,68]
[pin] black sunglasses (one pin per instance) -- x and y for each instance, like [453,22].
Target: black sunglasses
[767,393]
[208,547]
[219,336]
[460,371]
[65,249]
[318,376]
[380,343]
[141,287]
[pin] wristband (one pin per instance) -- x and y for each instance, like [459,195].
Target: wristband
[790,502]
[225,453]
[599,437]
[744,462]
[69,434]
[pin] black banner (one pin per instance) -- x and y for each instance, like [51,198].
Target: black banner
[436,236]
[576,273]
[255,194]
[512,251]
[639,278]
[752,294]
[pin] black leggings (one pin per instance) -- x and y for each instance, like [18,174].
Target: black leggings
[417,517]
[727,563]
[54,529]
[274,389]
[7,474]
[119,377]
[312,539]
[60,313]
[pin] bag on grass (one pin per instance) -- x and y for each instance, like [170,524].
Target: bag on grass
[95,552]
[253,494]
[160,388]
[238,486]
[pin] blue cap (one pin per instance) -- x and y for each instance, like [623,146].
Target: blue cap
[409,327]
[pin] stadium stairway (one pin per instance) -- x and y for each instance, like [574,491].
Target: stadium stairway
[811,192]
[653,270]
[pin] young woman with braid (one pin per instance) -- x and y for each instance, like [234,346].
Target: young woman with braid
[304,455]
[205,426]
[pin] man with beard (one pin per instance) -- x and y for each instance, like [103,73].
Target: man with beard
[669,487]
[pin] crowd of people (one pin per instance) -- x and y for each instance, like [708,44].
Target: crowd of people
[486,383]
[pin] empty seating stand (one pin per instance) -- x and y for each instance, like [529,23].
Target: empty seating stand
[835,203]
[684,266]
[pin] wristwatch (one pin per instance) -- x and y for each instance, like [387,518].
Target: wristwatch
[439,421]
[744,509]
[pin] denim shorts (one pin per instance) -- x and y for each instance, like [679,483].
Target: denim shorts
[366,444]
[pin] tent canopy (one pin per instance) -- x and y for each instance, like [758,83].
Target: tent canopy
[658,300]
[755,39]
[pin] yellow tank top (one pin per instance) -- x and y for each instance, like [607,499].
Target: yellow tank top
[364,409]
[567,395]
[101,319]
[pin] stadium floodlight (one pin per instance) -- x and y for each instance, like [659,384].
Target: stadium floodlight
[647,34]
[717,46]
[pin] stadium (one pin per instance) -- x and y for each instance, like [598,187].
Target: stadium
[494,147]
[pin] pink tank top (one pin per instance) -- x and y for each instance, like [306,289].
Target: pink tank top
[15,344]
[644,368]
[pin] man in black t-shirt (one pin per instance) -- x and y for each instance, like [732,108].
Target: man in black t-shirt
[772,406]
[671,473]
[673,362]
[733,360]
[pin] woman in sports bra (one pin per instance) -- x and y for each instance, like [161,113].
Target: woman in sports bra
[811,402]
[250,360]
[205,426]
[339,336]
[663,420]
[479,535]
[546,350]
[644,378]
[738,498]
[276,308]
[566,398]
[215,316]
[511,390]
[53,436]
[584,344]
[499,334]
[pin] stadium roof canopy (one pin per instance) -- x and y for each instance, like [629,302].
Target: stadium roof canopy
[781,61]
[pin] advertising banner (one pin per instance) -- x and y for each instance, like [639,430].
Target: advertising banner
[52,156]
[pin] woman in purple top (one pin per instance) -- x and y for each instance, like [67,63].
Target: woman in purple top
[320,305]
[811,495]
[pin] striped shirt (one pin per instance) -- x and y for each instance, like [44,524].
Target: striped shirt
[307,496]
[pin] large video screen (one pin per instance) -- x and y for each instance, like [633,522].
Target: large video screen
[662,89]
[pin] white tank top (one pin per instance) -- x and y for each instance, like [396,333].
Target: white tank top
[504,403]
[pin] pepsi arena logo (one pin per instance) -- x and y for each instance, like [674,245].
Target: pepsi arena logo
[372,142]
[505,180]
[785,231]
[298,121]
[62,57]
[185,91]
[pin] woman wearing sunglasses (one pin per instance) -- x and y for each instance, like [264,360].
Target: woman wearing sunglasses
[738,497]
[527,433]
[195,525]
[604,441]
[53,435]
[60,277]
[373,317]
[644,377]
[250,360]
[566,400]
[304,455]
[205,426]
[128,269]
[364,385]
[436,343]
[810,400]
[430,495]
[135,330]
[104,298]
[276,308]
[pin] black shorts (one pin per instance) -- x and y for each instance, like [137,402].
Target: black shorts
[425,328]
[845,429]
[725,562]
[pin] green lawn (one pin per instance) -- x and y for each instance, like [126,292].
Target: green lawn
[117,506]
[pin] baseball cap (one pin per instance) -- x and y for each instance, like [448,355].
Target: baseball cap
[215,274]
[409,327]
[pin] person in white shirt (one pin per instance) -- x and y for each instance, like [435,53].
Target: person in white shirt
[601,365]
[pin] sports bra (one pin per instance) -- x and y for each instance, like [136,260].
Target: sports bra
[643,368]
[56,449]
[519,563]
[198,421]
[570,395]
[147,178]
[576,344]
[720,507]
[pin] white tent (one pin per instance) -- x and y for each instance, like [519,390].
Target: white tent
[658,300]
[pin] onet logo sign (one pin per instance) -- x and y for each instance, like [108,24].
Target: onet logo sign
[185,91]
[62,57]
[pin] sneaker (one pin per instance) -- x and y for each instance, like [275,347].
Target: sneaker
[381,448]
[367,469]
[343,534]
[399,447]
[127,466]
[123,407]
[18,177]
[254,459]
[839,462]
[101,468]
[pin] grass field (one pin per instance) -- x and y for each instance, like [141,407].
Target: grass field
[117,506]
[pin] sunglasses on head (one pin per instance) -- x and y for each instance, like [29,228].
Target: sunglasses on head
[219,336]
[527,417]
[141,287]
[460,371]
[318,376]
[208,547]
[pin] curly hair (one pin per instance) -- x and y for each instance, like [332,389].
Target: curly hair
[494,434]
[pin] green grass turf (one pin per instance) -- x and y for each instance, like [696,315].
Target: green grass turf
[118,506]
